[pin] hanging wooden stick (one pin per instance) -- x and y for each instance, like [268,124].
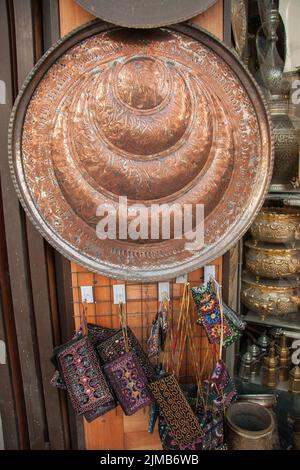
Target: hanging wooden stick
[83,317]
[219,295]
[123,323]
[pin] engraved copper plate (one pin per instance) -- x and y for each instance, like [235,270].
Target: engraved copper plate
[145,13]
[165,116]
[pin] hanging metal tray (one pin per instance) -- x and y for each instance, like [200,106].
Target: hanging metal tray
[162,116]
[145,13]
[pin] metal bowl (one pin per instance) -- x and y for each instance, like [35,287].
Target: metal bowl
[277,225]
[272,260]
[270,297]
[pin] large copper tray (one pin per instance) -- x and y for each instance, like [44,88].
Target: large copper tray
[166,115]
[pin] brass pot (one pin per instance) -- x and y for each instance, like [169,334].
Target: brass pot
[272,260]
[249,426]
[268,297]
[268,400]
[277,225]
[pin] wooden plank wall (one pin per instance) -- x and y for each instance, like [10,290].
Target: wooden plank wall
[34,416]
[114,430]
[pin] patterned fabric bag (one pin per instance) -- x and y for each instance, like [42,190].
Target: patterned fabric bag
[84,379]
[181,421]
[115,347]
[219,392]
[156,341]
[96,334]
[210,315]
[129,382]
[211,424]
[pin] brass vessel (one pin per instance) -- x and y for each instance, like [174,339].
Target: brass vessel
[263,342]
[277,225]
[294,380]
[268,400]
[268,297]
[270,370]
[277,90]
[284,359]
[272,260]
[249,426]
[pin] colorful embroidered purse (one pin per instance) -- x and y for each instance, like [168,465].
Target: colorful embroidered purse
[219,392]
[84,379]
[213,427]
[233,318]
[129,382]
[115,347]
[156,341]
[96,334]
[210,317]
[176,411]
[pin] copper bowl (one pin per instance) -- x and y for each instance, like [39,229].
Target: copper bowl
[267,297]
[272,260]
[277,225]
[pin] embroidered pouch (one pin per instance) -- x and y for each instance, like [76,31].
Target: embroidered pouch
[168,441]
[154,341]
[114,347]
[84,379]
[96,334]
[157,339]
[129,382]
[220,390]
[213,427]
[233,318]
[210,316]
[175,409]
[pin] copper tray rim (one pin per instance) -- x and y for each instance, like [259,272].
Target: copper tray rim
[205,5]
[61,245]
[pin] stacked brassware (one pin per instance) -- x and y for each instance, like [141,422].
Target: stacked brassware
[270,284]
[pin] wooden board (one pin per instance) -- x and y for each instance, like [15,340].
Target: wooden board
[114,430]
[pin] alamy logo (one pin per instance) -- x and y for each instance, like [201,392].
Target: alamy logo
[153,222]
